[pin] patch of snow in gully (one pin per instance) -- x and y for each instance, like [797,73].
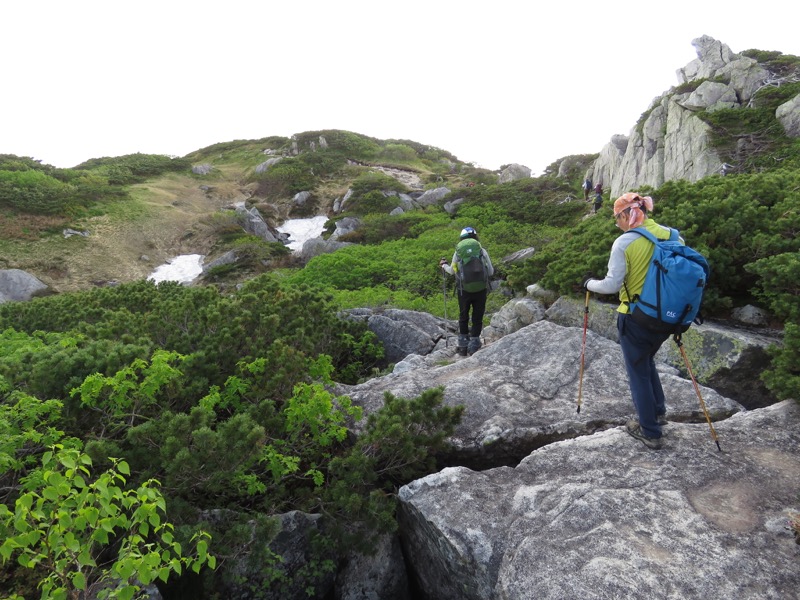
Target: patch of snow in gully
[302,230]
[183,269]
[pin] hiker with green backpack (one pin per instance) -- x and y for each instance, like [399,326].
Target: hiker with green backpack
[660,282]
[472,268]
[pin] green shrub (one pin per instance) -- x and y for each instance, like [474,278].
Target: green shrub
[34,192]
[214,331]
[783,376]
[135,168]
[350,145]
[778,284]
[375,181]
[398,152]
[378,228]
[286,178]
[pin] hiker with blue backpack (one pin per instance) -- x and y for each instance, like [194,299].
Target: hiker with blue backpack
[587,187]
[660,283]
[472,268]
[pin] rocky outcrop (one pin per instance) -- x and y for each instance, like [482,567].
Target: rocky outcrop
[431,197]
[338,203]
[253,223]
[317,246]
[345,226]
[788,114]
[519,256]
[402,332]
[451,207]
[671,142]
[410,179]
[568,487]
[228,258]
[709,347]
[264,166]
[17,285]
[203,169]
[513,316]
[716,352]
[377,576]
[603,517]
[300,198]
[513,172]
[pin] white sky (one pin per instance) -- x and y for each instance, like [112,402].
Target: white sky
[492,82]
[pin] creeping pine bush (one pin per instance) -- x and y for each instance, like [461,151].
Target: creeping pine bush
[134,168]
[285,179]
[34,192]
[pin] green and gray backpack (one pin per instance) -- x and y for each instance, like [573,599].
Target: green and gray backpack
[472,274]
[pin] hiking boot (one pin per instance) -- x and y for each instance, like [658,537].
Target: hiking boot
[635,430]
[463,344]
[474,345]
[662,419]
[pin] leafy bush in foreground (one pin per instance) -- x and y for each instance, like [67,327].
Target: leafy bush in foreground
[81,531]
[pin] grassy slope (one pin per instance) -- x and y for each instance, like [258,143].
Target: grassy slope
[161,219]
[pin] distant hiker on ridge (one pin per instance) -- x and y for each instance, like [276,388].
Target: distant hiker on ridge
[472,268]
[587,187]
[598,201]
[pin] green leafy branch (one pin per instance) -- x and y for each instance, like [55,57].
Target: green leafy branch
[65,521]
[125,397]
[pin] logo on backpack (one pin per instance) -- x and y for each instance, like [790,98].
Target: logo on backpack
[472,274]
[673,286]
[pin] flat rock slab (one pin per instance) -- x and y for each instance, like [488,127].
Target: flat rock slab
[601,516]
[521,392]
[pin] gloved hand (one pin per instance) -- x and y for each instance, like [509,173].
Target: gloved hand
[586,280]
[442,262]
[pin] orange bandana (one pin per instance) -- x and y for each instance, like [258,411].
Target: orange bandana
[634,202]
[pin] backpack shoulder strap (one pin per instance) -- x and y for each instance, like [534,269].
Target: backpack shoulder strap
[654,240]
[644,233]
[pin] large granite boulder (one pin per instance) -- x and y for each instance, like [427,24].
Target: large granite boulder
[513,172]
[788,114]
[716,352]
[317,246]
[513,316]
[521,392]
[602,516]
[254,224]
[379,575]
[431,197]
[17,285]
[345,226]
[402,332]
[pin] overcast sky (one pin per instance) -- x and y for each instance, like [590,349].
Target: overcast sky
[493,82]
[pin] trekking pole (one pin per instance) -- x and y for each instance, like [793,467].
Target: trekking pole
[677,339]
[444,295]
[583,349]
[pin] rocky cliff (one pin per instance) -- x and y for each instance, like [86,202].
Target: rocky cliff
[671,141]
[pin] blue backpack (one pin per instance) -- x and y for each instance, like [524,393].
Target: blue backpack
[673,286]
